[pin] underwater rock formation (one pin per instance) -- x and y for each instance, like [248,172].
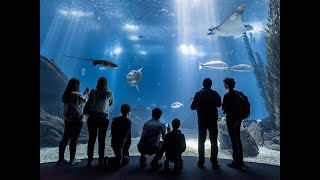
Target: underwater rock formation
[256,132]
[136,126]
[52,85]
[142,111]
[250,148]
[273,57]
[51,130]
[263,134]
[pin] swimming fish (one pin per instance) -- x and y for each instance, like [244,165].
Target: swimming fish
[176,105]
[214,65]
[104,63]
[242,68]
[134,78]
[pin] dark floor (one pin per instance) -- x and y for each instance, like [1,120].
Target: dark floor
[133,171]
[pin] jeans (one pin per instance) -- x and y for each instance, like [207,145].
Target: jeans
[213,134]
[234,135]
[97,126]
[71,132]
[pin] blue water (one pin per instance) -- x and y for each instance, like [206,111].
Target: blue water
[96,28]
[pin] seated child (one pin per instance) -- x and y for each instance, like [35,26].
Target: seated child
[174,145]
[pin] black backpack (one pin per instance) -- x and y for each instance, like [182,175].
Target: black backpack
[243,105]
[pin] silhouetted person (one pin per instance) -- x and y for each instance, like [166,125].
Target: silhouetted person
[72,124]
[150,143]
[206,101]
[233,120]
[100,99]
[174,145]
[121,136]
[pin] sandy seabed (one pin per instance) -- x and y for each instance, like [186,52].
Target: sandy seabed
[266,156]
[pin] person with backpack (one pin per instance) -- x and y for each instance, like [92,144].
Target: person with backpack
[232,108]
[97,109]
[73,119]
[206,103]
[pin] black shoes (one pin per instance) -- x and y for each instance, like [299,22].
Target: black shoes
[234,165]
[74,161]
[178,165]
[89,163]
[143,164]
[242,164]
[62,162]
[166,165]
[215,165]
[200,164]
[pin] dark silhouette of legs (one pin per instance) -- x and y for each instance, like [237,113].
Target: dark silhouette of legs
[238,143]
[103,126]
[154,163]
[74,135]
[143,160]
[64,142]
[159,153]
[213,134]
[202,131]
[125,148]
[237,152]
[92,139]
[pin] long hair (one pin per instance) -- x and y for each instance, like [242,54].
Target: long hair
[102,84]
[73,85]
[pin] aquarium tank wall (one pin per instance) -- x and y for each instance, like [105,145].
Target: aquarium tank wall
[156,54]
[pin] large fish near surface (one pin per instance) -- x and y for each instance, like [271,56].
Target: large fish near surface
[104,63]
[232,26]
[134,78]
[242,68]
[214,65]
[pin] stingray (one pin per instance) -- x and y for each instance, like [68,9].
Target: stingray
[104,63]
[232,26]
